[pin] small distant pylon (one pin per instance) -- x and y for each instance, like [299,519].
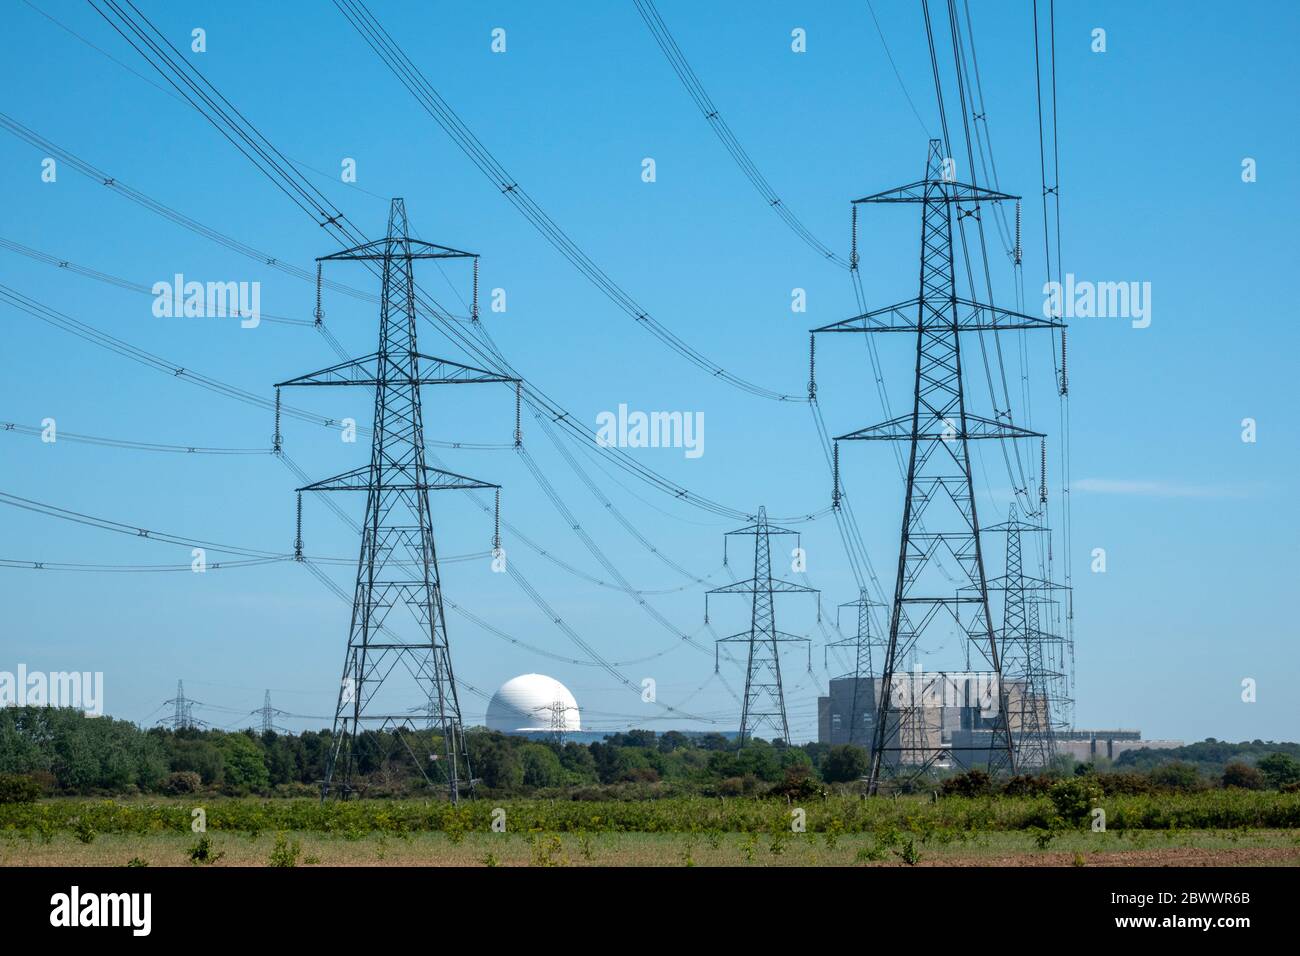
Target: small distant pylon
[267,714]
[860,644]
[1035,681]
[559,711]
[182,710]
[764,702]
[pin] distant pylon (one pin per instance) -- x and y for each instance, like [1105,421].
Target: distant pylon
[559,721]
[860,644]
[182,709]
[267,715]
[389,660]
[1030,653]
[939,515]
[764,702]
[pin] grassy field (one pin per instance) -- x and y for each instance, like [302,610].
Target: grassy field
[1186,848]
[1208,828]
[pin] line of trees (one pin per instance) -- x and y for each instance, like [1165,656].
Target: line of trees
[47,751]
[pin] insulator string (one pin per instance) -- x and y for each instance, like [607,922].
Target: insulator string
[496,529]
[519,399]
[1042,488]
[835,468]
[276,443]
[1065,375]
[473,310]
[853,243]
[1018,249]
[812,366]
[297,540]
[319,315]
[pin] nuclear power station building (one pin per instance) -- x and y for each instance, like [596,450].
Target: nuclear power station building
[950,712]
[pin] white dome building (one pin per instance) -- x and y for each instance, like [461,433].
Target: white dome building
[532,703]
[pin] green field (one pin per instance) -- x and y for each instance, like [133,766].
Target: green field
[1213,827]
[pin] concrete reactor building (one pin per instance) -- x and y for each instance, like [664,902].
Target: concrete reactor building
[533,703]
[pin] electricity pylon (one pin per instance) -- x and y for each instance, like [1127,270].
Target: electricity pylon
[939,516]
[398,563]
[182,709]
[1030,668]
[764,702]
[267,713]
[860,643]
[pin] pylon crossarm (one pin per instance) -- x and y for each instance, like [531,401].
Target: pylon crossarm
[901,317]
[976,428]
[749,587]
[365,371]
[787,637]
[360,479]
[936,190]
[382,249]
[1036,584]
[971,317]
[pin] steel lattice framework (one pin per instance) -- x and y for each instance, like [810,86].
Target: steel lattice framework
[940,521]
[764,702]
[398,564]
[1032,655]
[1022,655]
[860,643]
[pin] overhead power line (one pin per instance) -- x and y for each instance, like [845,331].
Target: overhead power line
[682,67]
[410,76]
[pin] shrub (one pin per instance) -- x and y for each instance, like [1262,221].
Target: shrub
[1124,782]
[798,784]
[1177,775]
[972,783]
[1243,776]
[16,788]
[1027,785]
[845,763]
[1279,769]
[285,852]
[181,782]
[1074,798]
[202,851]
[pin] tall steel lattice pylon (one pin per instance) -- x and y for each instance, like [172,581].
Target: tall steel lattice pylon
[939,516]
[394,666]
[764,702]
[860,644]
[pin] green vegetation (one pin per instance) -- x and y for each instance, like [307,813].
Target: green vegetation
[1068,807]
[51,752]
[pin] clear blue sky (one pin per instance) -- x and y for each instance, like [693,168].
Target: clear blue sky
[1199,527]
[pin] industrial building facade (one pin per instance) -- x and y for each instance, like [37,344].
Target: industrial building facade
[955,714]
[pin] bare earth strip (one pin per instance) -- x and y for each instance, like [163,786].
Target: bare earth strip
[1185,848]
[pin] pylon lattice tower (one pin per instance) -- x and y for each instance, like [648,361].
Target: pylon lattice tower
[939,515]
[267,714]
[860,644]
[398,565]
[182,709]
[1032,655]
[764,702]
